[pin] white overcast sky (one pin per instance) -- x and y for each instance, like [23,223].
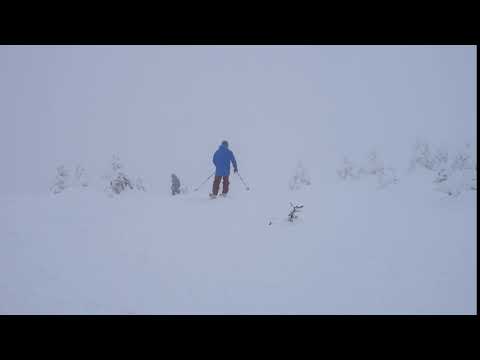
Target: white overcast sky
[165,109]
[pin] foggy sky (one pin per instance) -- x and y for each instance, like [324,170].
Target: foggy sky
[165,109]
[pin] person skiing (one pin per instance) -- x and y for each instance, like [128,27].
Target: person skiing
[221,159]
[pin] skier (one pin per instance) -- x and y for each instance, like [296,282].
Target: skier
[221,159]
[175,185]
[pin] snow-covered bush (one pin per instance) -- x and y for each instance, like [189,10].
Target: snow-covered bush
[450,174]
[462,161]
[374,166]
[62,180]
[424,157]
[458,182]
[80,178]
[294,212]
[458,176]
[119,181]
[65,179]
[300,178]
[347,170]
[442,175]
[116,164]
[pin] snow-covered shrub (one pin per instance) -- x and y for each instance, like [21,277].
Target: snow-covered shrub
[440,158]
[450,174]
[80,178]
[119,181]
[374,167]
[62,180]
[424,157]
[65,179]
[436,162]
[347,170]
[442,175]
[458,182]
[116,164]
[462,161]
[292,215]
[293,212]
[374,164]
[459,176]
[300,178]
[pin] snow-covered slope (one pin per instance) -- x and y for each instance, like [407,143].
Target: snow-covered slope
[353,250]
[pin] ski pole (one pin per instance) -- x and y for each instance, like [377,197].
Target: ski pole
[204,181]
[246,186]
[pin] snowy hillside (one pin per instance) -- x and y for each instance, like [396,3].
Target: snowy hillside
[353,250]
[88,224]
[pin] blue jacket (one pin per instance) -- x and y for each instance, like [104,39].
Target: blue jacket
[221,159]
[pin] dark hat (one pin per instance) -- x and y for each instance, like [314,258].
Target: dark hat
[225,142]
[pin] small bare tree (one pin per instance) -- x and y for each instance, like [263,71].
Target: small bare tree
[293,213]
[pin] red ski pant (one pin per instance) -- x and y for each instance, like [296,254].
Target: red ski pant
[216,184]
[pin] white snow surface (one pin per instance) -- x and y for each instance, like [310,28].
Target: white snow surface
[353,250]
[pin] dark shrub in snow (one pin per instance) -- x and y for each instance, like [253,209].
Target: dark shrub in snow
[294,212]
